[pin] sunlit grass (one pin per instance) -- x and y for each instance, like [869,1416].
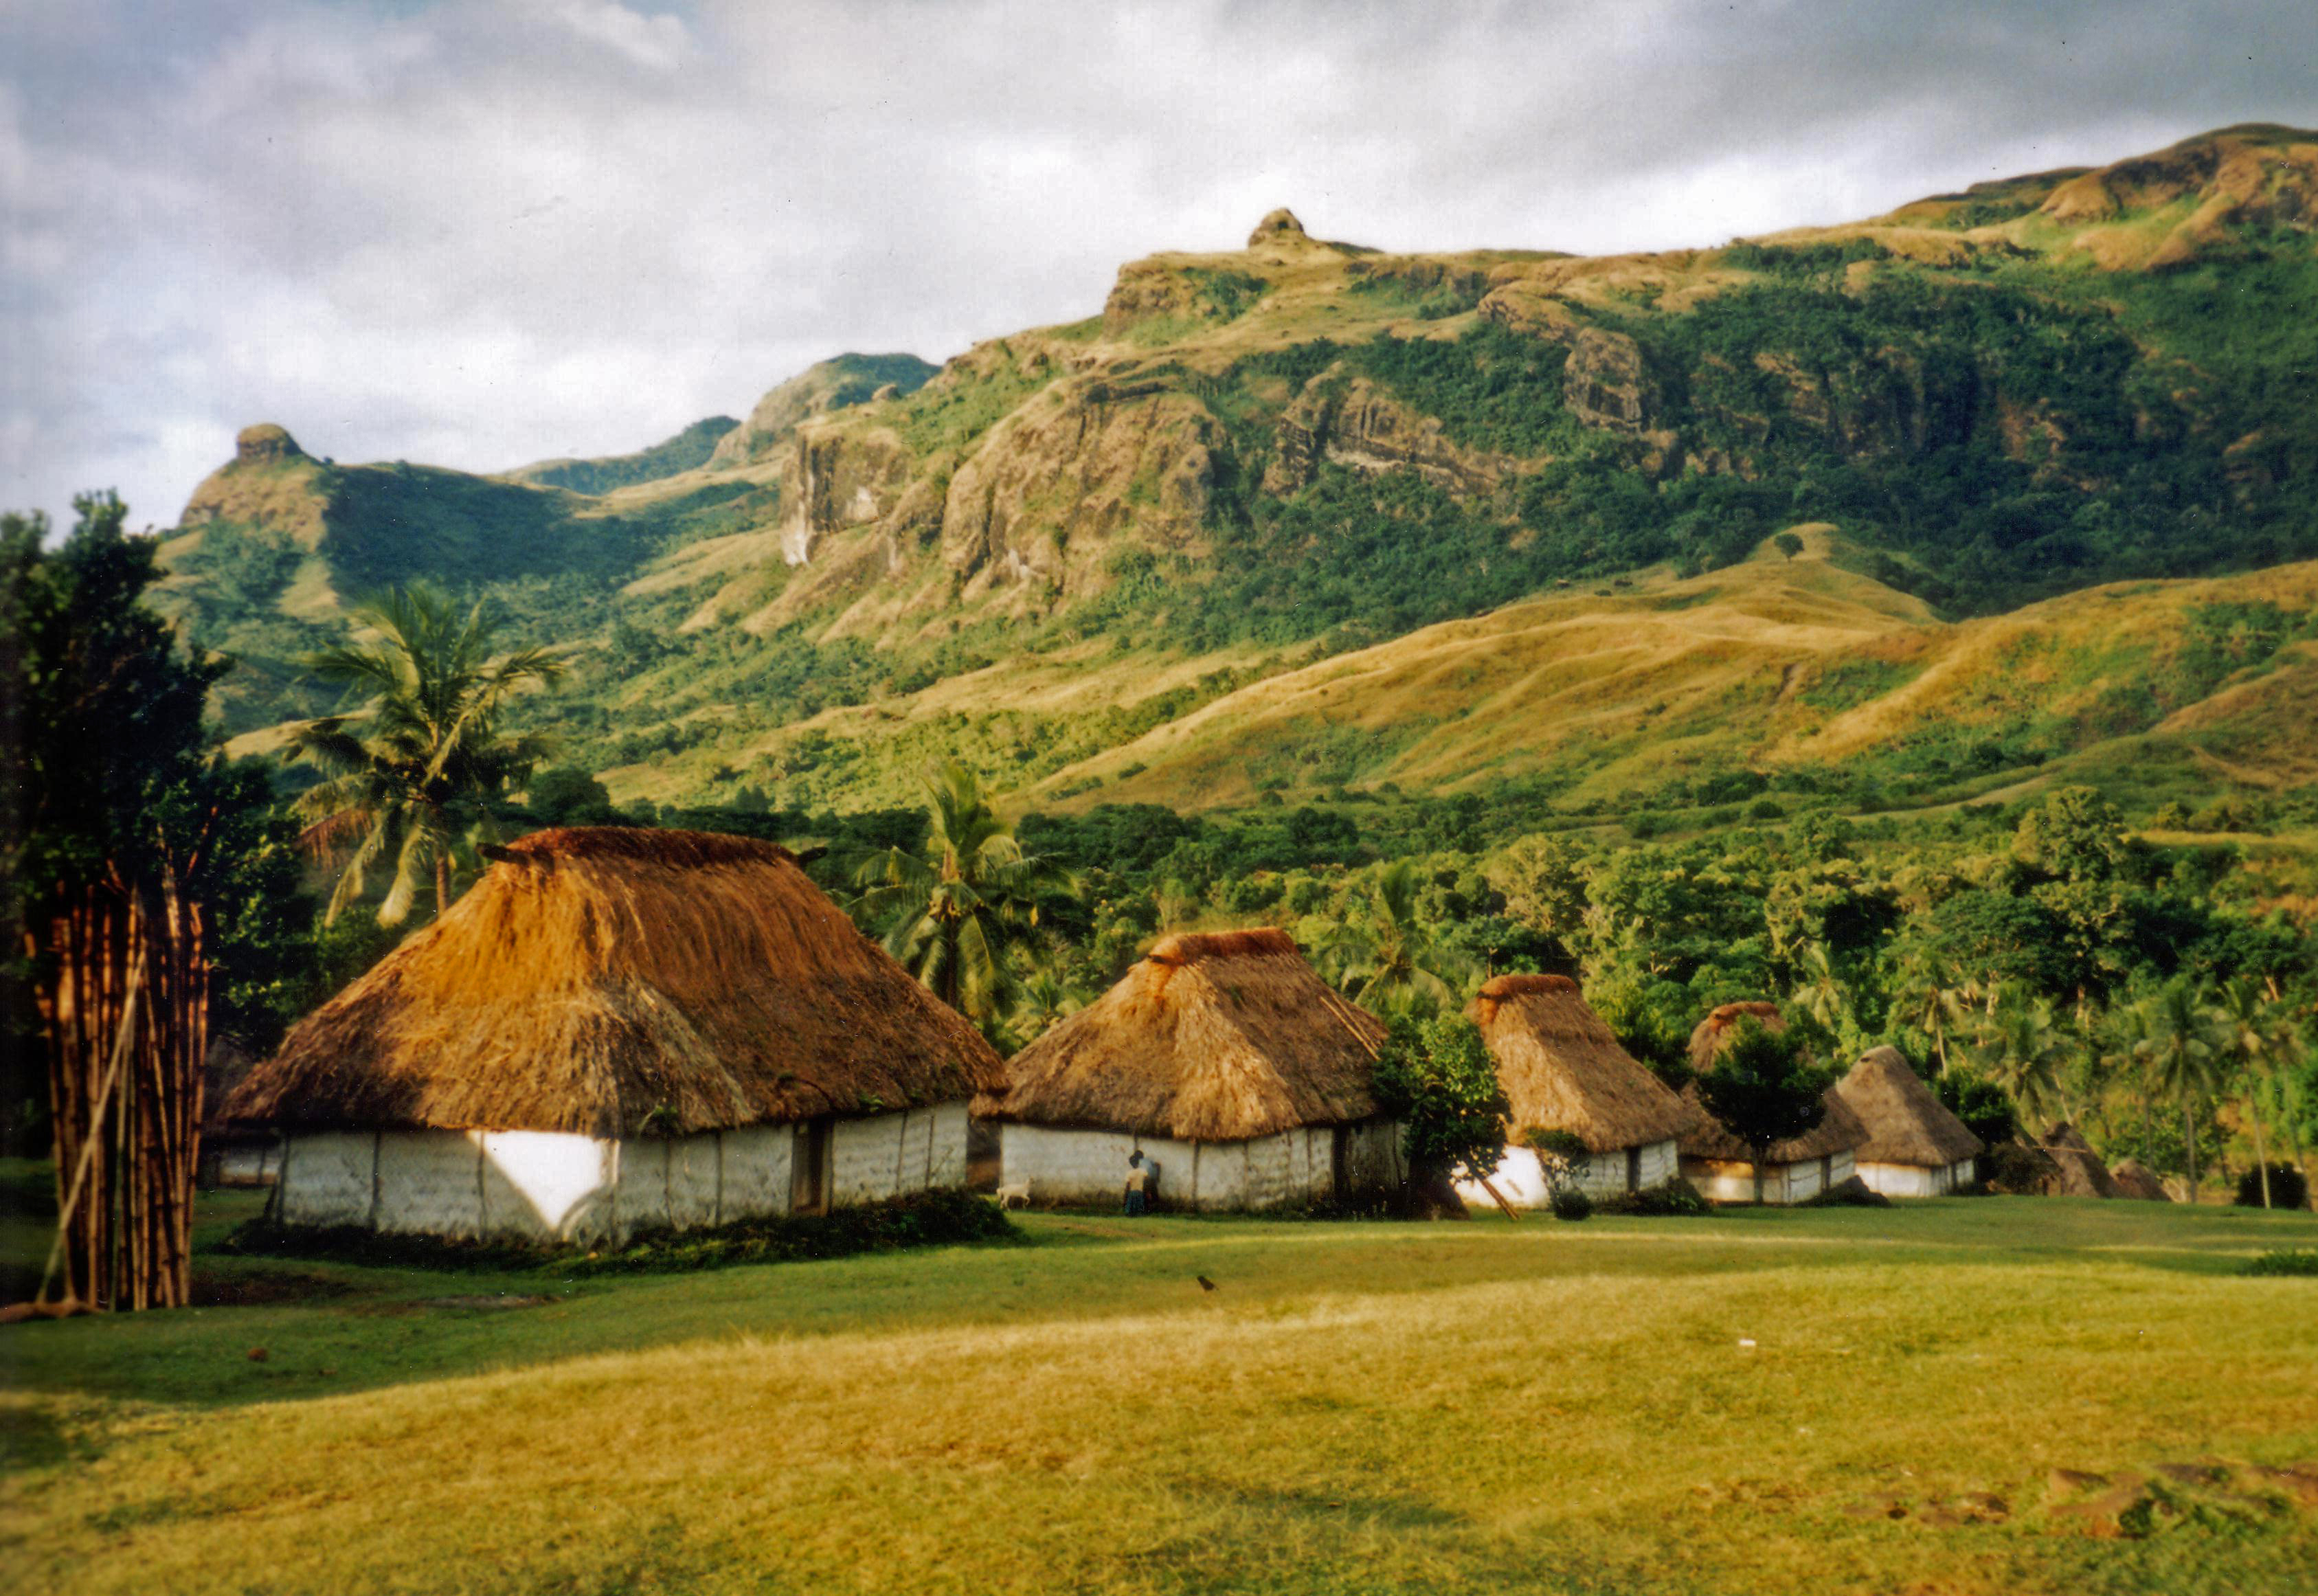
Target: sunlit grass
[1354,1407]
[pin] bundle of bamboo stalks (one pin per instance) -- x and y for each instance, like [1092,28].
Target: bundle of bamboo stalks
[126,1011]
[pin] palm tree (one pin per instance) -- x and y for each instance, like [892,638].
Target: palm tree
[1387,955]
[2184,1051]
[1818,987]
[2125,1041]
[2019,1048]
[428,758]
[954,910]
[2254,1032]
[1927,1001]
[1042,999]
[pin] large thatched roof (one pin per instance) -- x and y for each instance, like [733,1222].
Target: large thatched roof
[1838,1129]
[1216,1037]
[599,975]
[2135,1179]
[1906,1124]
[1562,1070]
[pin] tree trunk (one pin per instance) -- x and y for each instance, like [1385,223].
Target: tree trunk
[2189,1144]
[2260,1155]
[2148,1140]
[442,883]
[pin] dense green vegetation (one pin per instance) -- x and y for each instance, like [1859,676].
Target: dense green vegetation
[687,451]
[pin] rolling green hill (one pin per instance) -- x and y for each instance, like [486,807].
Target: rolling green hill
[1309,516]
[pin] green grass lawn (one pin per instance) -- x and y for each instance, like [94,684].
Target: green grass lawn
[1355,1407]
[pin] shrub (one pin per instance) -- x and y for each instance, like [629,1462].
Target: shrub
[2302,1262]
[1570,1202]
[2288,1187]
[1436,1077]
[1678,1198]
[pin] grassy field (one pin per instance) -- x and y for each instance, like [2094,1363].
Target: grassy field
[1839,1400]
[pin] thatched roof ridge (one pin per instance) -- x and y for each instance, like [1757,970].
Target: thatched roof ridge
[599,976]
[1563,1069]
[1216,1037]
[1707,1039]
[1906,1124]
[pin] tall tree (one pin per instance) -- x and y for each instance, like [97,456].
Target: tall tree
[121,848]
[2252,1032]
[2020,1048]
[956,910]
[428,760]
[1387,953]
[1763,1091]
[2184,1050]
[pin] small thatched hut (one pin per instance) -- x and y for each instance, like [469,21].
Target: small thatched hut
[2081,1172]
[1563,1071]
[1915,1147]
[1222,1056]
[1798,1169]
[620,1030]
[2136,1180]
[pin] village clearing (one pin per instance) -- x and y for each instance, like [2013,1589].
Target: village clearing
[1916,1398]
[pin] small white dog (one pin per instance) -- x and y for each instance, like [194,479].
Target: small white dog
[1016,1196]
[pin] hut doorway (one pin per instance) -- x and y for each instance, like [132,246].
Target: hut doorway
[1633,1169]
[1339,1140]
[809,1172]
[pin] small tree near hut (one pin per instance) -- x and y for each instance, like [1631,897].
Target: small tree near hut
[1763,1091]
[1436,1078]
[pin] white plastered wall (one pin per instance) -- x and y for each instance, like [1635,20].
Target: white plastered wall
[1916,1181]
[1734,1182]
[1071,1165]
[1521,1179]
[546,1184]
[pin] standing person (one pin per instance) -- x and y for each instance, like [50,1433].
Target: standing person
[1138,1186]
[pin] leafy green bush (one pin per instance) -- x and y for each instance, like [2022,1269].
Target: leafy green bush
[1677,1198]
[2301,1261]
[2288,1188]
[1435,1076]
[1569,1202]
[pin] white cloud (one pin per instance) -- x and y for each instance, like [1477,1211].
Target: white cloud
[482,233]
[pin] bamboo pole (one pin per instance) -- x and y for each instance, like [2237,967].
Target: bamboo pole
[89,1145]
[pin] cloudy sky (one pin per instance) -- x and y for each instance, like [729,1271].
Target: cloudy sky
[481,233]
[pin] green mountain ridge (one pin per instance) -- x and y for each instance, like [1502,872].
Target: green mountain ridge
[1075,554]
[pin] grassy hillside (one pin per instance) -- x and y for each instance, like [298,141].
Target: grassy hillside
[1912,1398]
[1517,504]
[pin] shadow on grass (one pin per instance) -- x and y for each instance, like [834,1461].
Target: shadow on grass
[327,1330]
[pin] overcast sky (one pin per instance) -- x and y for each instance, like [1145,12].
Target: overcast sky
[483,233]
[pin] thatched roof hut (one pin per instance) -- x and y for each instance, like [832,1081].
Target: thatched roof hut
[1796,1170]
[600,978]
[1213,1037]
[1562,1069]
[1906,1124]
[2081,1172]
[2135,1179]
